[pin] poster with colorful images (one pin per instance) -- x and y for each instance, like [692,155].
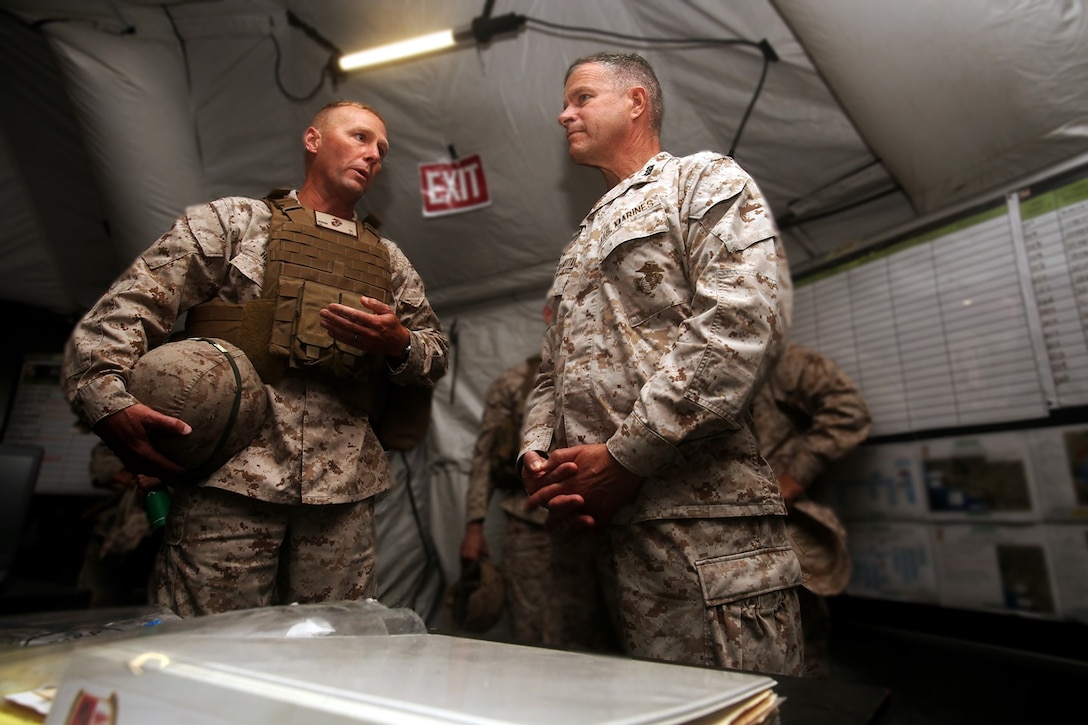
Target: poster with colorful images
[1068,544]
[976,476]
[40,416]
[881,482]
[1059,461]
[892,560]
[996,567]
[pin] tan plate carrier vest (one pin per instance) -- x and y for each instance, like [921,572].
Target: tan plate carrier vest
[309,267]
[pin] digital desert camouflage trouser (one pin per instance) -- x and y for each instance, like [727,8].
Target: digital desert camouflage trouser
[525,565]
[223,551]
[694,591]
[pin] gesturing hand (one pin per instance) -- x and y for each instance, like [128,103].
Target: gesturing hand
[373,329]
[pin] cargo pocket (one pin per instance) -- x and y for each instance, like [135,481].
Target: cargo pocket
[283,327]
[310,344]
[727,579]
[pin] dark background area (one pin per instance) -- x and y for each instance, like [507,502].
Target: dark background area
[942,665]
[27,330]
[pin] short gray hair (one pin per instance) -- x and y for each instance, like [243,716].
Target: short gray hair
[321,118]
[629,70]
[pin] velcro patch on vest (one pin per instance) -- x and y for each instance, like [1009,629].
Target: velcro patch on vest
[335,223]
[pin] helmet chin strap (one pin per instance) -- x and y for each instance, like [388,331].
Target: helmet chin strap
[236,405]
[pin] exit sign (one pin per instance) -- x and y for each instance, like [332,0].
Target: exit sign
[450,187]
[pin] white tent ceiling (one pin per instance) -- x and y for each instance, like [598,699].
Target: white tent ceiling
[118,114]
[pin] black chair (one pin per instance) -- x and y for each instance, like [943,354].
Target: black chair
[19,466]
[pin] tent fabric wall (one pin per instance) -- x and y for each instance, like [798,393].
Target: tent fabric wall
[409,569]
[487,339]
[129,95]
[954,97]
[186,101]
[899,112]
[54,244]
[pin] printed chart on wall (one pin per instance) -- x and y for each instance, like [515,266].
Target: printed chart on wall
[892,560]
[979,321]
[1026,476]
[41,416]
[1055,237]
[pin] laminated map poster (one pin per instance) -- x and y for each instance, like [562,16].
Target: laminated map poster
[1000,476]
[975,476]
[1059,461]
[996,567]
[893,560]
[178,677]
[883,482]
[40,416]
[1068,545]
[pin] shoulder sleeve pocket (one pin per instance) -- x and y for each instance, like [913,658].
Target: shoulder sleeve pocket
[249,267]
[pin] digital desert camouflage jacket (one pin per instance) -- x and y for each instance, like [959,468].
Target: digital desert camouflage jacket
[808,413]
[314,447]
[504,409]
[666,302]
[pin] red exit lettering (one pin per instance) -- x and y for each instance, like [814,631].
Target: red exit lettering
[449,187]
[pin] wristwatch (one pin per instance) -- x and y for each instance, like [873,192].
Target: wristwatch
[403,361]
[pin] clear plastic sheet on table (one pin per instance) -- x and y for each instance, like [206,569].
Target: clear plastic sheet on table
[37,649]
[363,663]
[360,618]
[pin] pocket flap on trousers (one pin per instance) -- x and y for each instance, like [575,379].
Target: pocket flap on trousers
[726,579]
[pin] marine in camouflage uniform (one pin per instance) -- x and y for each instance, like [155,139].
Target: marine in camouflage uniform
[290,517]
[808,413]
[536,597]
[526,545]
[666,302]
[120,552]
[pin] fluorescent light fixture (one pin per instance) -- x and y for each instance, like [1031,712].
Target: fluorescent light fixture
[481,31]
[396,51]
